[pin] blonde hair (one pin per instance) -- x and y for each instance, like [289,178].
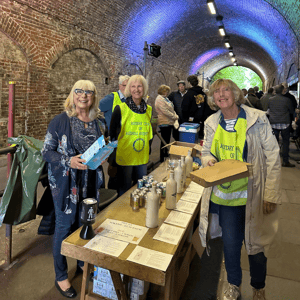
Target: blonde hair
[142,80]
[69,103]
[123,78]
[238,94]
[163,89]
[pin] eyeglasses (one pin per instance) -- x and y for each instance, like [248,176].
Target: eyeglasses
[80,92]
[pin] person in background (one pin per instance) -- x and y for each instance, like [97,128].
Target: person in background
[245,208]
[107,105]
[247,102]
[177,98]
[194,105]
[293,100]
[257,92]
[253,99]
[264,100]
[131,126]
[167,117]
[280,111]
[68,136]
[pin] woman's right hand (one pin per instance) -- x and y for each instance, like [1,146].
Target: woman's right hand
[77,163]
[211,162]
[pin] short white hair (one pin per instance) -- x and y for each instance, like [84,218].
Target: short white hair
[123,78]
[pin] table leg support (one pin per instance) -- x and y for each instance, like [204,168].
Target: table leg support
[119,285]
[85,280]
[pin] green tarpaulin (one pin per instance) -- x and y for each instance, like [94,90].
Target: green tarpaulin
[18,203]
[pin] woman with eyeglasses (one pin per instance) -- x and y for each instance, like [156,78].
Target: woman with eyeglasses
[68,136]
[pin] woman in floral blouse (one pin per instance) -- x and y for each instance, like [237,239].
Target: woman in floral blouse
[68,136]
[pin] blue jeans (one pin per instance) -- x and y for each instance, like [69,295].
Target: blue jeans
[127,174]
[64,226]
[232,221]
[285,135]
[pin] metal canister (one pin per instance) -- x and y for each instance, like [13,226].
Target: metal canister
[142,199]
[131,197]
[145,179]
[140,183]
[163,190]
[136,203]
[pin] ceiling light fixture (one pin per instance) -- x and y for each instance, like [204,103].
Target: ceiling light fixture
[226,41]
[222,30]
[211,6]
[235,64]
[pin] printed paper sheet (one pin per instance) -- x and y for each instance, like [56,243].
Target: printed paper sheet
[169,234]
[186,206]
[122,231]
[178,218]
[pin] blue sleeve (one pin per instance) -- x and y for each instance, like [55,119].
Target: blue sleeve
[106,103]
[55,147]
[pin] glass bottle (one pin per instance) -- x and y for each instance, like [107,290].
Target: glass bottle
[183,166]
[189,163]
[178,177]
[152,208]
[171,192]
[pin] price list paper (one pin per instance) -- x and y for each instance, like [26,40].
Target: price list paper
[150,258]
[169,234]
[195,188]
[191,197]
[178,218]
[186,206]
[122,231]
[106,245]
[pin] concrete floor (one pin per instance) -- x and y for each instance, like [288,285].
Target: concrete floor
[32,275]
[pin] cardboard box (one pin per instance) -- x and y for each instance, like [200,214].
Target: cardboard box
[181,148]
[188,132]
[224,171]
[98,152]
[197,242]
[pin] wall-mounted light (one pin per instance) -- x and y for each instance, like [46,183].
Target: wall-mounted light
[211,6]
[226,41]
[233,59]
[231,53]
[222,30]
[235,64]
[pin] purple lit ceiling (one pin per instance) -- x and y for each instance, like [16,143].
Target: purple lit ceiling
[262,33]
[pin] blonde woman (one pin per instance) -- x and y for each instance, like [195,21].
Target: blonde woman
[166,115]
[68,136]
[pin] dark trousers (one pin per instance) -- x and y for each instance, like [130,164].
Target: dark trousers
[165,132]
[128,176]
[285,135]
[64,226]
[232,221]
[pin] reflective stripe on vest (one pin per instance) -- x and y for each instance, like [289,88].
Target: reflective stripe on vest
[117,100]
[230,145]
[133,140]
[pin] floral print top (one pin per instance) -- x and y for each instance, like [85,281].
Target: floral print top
[59,146]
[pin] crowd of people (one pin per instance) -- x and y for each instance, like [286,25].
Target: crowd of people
[246,120]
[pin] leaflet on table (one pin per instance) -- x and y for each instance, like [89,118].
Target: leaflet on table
[122,231]
[195,188]
[150,258]
[106,245]
[169,234]
[191,197]
[178,218]
[98,153]
[186,206]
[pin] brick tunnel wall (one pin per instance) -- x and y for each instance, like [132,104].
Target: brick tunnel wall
[46,46]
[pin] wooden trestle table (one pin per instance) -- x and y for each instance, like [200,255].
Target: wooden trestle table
[172,280]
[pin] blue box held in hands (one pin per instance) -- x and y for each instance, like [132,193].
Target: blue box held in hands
[98,153]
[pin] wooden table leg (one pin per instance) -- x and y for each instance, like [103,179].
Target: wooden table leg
[85,280]
[119,286]
[169,291]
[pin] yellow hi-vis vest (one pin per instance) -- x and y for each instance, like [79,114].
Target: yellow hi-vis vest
[117,100]
[134,137]
[230,145]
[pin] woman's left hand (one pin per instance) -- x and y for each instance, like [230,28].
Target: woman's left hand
[269,207]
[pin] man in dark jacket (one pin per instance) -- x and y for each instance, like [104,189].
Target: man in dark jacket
[177,98]
[194,105]
[264,100]
[253,99]
[280,110]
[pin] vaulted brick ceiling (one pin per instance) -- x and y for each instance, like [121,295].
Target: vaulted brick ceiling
[262,33]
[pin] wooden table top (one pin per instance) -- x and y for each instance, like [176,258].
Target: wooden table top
[121,210]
